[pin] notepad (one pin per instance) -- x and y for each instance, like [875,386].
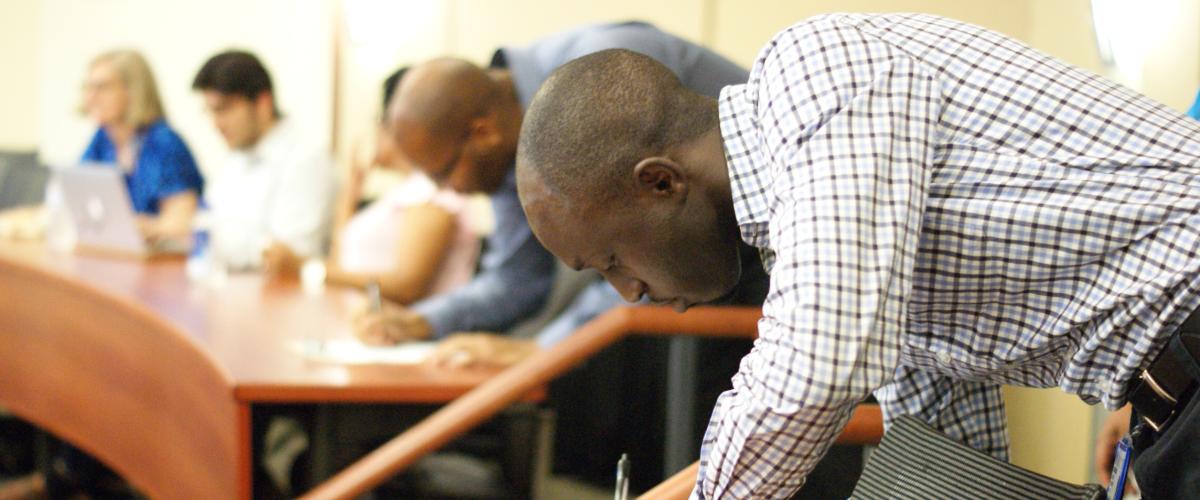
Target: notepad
[353,352]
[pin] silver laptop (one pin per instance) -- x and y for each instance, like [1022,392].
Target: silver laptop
[102,214]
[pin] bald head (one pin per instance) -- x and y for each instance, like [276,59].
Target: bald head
[442,95]
[621,169]
[457,122]
[597,116]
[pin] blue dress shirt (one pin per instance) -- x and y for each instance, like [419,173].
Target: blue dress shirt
[517,273]
[163,166]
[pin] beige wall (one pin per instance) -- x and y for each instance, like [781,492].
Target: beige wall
[1050,432]
[19,37]
[1173,56]
[477,32]
[742,28]
[1063,29]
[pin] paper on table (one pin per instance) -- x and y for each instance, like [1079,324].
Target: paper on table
[353,352]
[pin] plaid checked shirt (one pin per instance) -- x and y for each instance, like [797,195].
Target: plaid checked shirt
[942,210]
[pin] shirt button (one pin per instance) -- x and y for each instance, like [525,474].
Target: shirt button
[944,358]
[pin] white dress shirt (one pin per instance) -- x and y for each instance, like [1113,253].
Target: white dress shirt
[942,210]
[279,190]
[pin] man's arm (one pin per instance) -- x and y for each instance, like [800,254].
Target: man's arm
[595,299]
[848,125]
[516,278]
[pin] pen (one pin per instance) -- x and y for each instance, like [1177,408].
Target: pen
[374,301]
[622,492]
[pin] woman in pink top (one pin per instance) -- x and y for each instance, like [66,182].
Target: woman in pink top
[415,240]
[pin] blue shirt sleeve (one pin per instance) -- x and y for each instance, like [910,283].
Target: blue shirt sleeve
[516,277]
[171,158]
[593,301]
[165,168]
[518,273]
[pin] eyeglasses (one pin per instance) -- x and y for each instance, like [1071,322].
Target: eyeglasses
[97,86]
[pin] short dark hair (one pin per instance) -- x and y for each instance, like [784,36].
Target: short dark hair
[235,72]
[389,88]
[600,114]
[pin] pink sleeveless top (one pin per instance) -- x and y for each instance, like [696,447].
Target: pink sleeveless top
[370,240]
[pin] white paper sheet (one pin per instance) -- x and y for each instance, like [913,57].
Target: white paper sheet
[353,352]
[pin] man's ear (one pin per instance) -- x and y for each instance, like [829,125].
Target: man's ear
[265,101]
[484,128]
[660,176]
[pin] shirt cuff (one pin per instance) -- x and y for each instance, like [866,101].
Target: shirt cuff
[437,315]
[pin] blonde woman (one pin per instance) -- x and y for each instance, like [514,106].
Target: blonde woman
[164,184]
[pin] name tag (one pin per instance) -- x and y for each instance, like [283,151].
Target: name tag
[1120,470]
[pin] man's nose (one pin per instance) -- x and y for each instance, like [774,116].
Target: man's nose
[630,289]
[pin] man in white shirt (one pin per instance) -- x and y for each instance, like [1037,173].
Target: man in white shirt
[271,202]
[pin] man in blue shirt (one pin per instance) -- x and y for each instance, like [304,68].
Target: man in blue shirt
[459,123]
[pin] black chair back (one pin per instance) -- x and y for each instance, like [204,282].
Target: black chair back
[22,179]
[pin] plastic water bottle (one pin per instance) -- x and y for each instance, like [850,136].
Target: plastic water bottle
[60,231]
[199,262]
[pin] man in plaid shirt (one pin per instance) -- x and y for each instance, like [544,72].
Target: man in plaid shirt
[941,209]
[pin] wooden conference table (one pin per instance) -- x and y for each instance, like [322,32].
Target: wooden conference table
[156,375]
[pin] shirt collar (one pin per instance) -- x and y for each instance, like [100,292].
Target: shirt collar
[269,145]
[749,177]
[524,70]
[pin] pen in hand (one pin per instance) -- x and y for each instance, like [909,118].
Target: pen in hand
[374,301]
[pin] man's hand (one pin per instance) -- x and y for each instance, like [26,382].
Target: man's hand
[278,261]
[393,325]
[1114,428]
[481,350]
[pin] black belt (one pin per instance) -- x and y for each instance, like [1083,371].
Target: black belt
[1167,384]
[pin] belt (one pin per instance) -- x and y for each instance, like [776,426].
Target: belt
[1167,384]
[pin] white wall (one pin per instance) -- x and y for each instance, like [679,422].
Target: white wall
[293,38]
[19,37]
